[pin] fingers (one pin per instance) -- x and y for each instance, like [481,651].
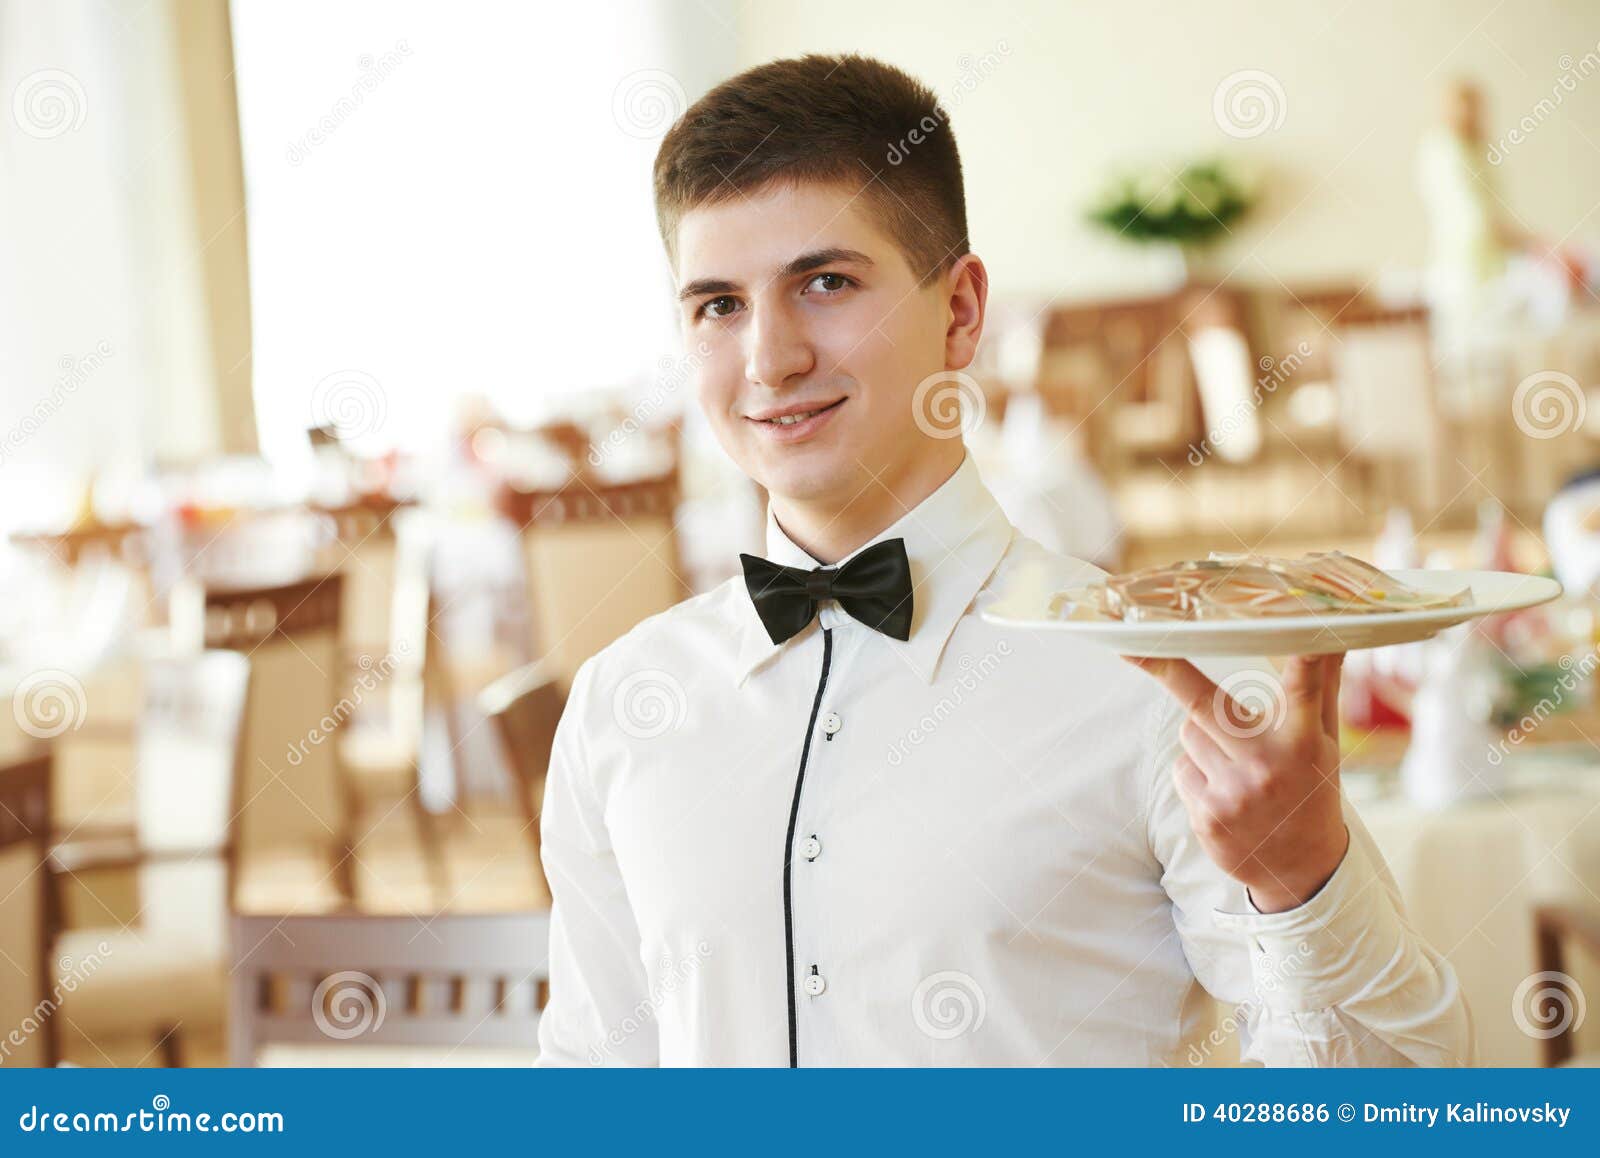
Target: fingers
[1330,694]
[1206,704]
[1188,684]
[1303,680]
[1189,780]
[1216,765]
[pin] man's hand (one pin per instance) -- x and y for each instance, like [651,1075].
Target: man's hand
[1261,784]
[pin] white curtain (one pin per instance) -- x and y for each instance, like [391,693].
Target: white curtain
[454,199]
[106,361]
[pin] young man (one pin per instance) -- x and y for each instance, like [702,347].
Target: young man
[857,823]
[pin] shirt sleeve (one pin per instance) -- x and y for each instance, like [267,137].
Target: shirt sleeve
[1341,980]
[598,985]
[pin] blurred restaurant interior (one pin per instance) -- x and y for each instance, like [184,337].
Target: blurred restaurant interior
[345,414]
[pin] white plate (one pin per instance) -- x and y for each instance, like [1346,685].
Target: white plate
[1022,601]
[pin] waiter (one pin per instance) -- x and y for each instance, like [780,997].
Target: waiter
[825,814]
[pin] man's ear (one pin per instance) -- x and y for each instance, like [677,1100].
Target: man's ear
[966,285]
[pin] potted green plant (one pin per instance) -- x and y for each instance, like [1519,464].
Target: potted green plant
[1181,210]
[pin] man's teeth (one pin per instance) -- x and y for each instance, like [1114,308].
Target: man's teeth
[791,419]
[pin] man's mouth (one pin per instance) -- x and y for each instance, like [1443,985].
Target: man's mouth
[793,418]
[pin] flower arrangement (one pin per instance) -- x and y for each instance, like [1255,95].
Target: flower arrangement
[1188,207]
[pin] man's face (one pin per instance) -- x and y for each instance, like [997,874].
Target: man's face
[808,309]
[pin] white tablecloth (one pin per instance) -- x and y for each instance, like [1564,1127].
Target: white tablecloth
[1472,873]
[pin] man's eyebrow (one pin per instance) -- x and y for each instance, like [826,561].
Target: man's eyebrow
[805,263]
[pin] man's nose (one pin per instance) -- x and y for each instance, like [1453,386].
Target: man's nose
[779,349]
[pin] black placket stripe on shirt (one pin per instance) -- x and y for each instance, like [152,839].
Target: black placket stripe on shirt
[788,849]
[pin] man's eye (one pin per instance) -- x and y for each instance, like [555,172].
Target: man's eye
[830,282]
[718,307]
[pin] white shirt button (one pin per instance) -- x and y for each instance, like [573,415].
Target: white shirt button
[815,984]
[832,723]
[811,849]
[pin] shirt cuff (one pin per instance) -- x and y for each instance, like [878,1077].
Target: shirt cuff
[1322,953]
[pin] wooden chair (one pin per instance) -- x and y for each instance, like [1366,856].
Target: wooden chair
[489,844]
[599,559]
[1554,927]
[380,628]
[1389,423]
[291,836]
[160,977]
[454,981]
[1121,369]
[28,999]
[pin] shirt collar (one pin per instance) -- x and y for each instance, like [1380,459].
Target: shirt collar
[954,539]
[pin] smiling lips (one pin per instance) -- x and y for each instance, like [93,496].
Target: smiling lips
[792,423]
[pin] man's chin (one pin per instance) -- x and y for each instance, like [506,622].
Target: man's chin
[809,478]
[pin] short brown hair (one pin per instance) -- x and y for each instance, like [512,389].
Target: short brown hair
[841,119]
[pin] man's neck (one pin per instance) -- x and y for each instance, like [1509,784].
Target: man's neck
[830,531]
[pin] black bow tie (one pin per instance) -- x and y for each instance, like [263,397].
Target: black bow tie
[874,587]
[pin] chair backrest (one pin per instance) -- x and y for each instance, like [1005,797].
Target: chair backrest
[1384,376]
[190,759]
[26,1003]
[599,559]
[454,980]
[526,706]
[366,552]
[1553,1004]
[290,790]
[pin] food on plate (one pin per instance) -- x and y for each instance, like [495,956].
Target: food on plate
[1240,586]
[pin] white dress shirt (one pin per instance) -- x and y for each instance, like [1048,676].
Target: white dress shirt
[961,849]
